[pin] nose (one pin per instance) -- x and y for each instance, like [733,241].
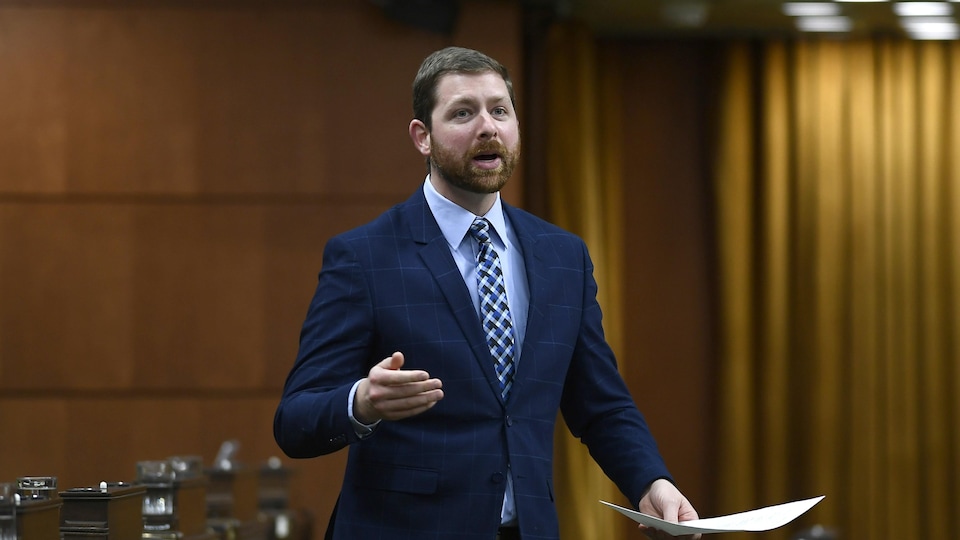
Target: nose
[488,126]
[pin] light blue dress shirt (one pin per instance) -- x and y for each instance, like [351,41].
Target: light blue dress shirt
[455,224]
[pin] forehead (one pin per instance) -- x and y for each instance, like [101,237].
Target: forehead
[482,87]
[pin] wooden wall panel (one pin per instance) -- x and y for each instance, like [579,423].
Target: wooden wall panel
[169,173]
[669,286]
[33,434]
[66,315]
[207,99]
[158,295]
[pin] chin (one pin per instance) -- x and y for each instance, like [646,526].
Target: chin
[481,182]
[489,184]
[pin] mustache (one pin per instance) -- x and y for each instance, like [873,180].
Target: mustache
[488,147]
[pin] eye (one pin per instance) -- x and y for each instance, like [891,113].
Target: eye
[500,111]
[461,113]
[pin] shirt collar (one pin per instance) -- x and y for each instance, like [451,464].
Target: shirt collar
[455,221]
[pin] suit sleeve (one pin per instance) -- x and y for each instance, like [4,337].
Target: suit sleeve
[598,408]
[335,343]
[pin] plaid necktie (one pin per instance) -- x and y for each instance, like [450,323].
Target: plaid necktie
[493,306]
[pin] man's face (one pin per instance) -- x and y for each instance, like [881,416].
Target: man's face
[475,139]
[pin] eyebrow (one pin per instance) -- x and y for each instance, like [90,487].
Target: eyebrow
[466,100]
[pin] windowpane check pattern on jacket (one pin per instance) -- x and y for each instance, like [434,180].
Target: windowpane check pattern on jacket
[494,311]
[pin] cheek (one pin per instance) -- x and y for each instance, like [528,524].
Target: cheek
[454,141]
[510,131]
[511,138]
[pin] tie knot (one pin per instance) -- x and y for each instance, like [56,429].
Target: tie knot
[480,229]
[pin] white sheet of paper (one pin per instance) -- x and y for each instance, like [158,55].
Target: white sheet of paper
[761,519]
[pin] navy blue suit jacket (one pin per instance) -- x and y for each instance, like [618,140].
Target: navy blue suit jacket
[392,285]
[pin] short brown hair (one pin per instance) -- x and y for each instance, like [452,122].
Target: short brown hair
[451,60]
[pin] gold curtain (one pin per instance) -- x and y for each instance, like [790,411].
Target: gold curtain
[838,206]
[584,195]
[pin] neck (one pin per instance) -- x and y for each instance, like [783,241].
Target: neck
[477,203]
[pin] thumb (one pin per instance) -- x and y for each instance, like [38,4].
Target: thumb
[670,511]
[393,362]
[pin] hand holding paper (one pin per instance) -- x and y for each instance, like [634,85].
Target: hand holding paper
[761,519]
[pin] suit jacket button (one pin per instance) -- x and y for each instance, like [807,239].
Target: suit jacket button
[497,478]
[509,421]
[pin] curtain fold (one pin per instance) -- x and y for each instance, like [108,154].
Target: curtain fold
[839,252]
[584,198]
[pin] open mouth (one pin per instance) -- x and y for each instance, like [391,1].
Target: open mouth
[487,157]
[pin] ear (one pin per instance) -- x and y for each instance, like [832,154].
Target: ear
[420,136]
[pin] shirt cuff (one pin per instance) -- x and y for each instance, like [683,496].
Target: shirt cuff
[363,430]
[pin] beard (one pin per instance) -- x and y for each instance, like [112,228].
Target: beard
[461,172]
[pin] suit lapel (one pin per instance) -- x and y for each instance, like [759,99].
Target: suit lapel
[533,257]
[435,254]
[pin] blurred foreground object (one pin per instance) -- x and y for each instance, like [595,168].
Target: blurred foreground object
[233,497]
[286,522]
[111,511]
[175,502]
[37,508]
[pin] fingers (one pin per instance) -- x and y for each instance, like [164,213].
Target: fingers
[687,512]
[390,408]
[669,510]
[388,372]
[665,501]
[390,393]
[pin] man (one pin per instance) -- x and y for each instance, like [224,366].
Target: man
[445,335]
